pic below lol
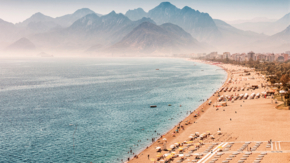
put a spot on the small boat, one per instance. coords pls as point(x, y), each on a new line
point(157, 69)
point(201, 70)
point(169, 104)
point(153, 106)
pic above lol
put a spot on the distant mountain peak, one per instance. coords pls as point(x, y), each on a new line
point(21, 44)
point(166, 4)
point(137, 9)
point(39, 15)
point(112, 13)
point(136, 14)
point(83, 11)
point(187, 8)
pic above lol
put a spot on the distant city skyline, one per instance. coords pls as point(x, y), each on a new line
point(229, 10)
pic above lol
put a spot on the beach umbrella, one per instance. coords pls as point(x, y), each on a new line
point(180, 149)
point(200, 141)
point(220, 147)
point(196, 154)
point(164, 139)
point(172, 146)
point(152, 159)
point(176, 143)
point(159, 155)
point(158, 147)
point(196, 144)
point(192, 147)
point(173, 153)
point(190, 136)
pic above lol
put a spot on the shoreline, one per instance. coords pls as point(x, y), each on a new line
point(198, 110)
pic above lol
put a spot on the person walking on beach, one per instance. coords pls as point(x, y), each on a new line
point(148, 157)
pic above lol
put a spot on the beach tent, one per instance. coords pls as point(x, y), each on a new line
point(221, 104)
point(282, 92)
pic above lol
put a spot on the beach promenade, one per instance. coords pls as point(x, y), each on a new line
point(250, 130)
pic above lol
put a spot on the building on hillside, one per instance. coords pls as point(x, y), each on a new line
point(219, 56)
point(271, 57)
point(276, 56)
point(243, 57)
point(251, 55)
point(226, 55)
point(285, 55)
point(201, 55)
point(231, 57)
point(261, 57)
point(234, 56)
point(212, 55)
point(280, 59)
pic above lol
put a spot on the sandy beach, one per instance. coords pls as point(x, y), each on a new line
point(243, 124)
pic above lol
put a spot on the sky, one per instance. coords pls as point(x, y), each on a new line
point(18, 10)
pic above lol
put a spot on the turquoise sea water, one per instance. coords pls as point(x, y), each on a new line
point(94, 110)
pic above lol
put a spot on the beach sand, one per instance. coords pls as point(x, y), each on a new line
point(243, 121)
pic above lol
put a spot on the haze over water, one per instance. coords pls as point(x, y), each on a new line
point(95, 110)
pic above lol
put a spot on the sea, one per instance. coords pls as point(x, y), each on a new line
point(95, 109)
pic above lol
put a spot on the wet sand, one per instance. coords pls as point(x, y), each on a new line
point(241, 121)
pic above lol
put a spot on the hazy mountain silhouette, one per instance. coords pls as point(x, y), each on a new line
point(22, 44)
point(233, 38)
point(200, 25)
point(167, 26)
point(89, 31)
point(282, 37)
point(268, 28)
point(254, 20)
point(67, 20)
point(8, 31)
point(136, 14)
point(153, 39)
point(278, 42)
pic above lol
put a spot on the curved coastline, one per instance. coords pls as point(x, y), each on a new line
point(201, 109)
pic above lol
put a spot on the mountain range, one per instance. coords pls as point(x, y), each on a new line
point(153, 39)
point(200, 25)
point(266, 27)
point(164, 29)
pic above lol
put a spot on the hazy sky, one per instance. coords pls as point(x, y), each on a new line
point(19, 10)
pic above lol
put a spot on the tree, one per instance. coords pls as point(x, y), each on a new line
point(284, 79)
